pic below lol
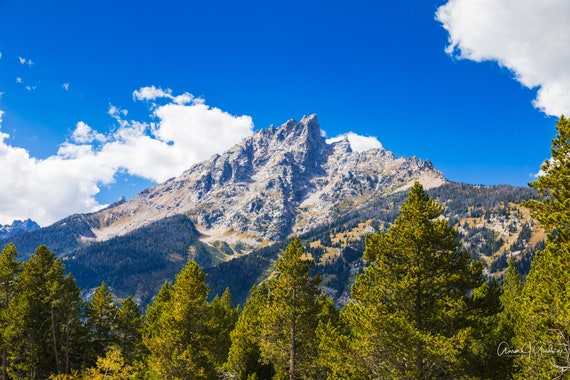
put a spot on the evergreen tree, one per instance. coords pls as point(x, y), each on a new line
point(419, 304)
point(128, 334)
point(290, 318)
point(508, 318)
point(9, 270)
point(155, 310)
point(44, 318)
point(180, 341)
point(544, 328)
point(244, 358)
point(101, 322)
point(223, 320)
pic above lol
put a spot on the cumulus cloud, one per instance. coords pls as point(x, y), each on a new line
point(179, 134)
point(83, 133)
point(358, 143)
point(529, 37)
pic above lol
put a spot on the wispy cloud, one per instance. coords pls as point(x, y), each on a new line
point(65, 86)
point(178, 134)
point(25, 61)
point(19, 80)
point(153, 93)
point(529, 37)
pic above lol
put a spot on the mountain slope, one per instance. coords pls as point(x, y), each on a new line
point(279, 181)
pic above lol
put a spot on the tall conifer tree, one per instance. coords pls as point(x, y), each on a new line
point(417, 305)
point(9, 270)
point(101, 322)
point(244, 358)
point(544, 328)
point(291, 316)
point(179, 340)
point(129, 331)
point(44, 318)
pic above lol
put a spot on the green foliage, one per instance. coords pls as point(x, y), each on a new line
point(244, 357)
point(417, 305)
point(180, 340)
point(9, 270)
point(45, 328)
point(101, 322)
point(543, 327)
point(223, 320)
point(291, 315)
point(128, 336)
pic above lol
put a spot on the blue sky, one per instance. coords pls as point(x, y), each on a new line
point(103, 99)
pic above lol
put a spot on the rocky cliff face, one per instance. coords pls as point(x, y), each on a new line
point(279, 181)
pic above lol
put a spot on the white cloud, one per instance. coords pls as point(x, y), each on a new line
point(358, 143)
point(154, 93)
point(182, 134)
point(19, 80)
point(83, 133)
point(65, 86)
point(529, 37)
point(25, 61)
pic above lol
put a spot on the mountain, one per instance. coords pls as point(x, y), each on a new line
point(17, 227)
point(279, 181)
point(235, 211)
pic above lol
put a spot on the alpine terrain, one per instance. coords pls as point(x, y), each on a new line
point(234, 212)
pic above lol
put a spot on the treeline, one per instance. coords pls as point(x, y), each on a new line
point(421, 309)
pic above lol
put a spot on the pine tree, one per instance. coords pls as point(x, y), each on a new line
point(417, 306)
point(244, 358)
point(128, 336)
point(508, 318)
point(290, 318)
point(544, 328)
point(180, 340)
point(101, 322)
point(9, 270)
point(223, 320)
point(44, 318)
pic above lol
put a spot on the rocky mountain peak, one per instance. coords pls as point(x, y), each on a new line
point(17, 227)
point(279, 181)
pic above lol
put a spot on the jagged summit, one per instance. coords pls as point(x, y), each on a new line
point(17, 227)
point(280, 180)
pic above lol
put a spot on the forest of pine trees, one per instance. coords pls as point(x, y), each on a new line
point(422, 309)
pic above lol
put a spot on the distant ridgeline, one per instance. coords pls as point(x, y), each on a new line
point(17, 227)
